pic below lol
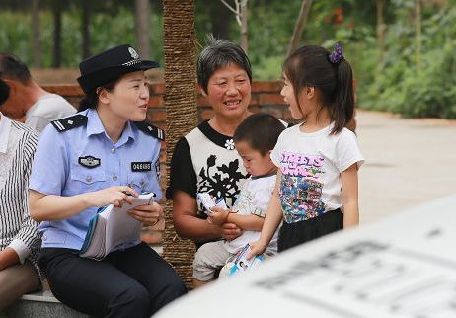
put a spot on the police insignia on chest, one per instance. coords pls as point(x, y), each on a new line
point(141, 166)
point(89, 161)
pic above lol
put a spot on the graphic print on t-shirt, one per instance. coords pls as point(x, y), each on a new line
point(220, 181)
point(301, 186)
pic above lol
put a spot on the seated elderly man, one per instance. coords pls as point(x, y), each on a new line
point(18, 232)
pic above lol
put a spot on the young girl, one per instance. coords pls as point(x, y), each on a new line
point(316, 192)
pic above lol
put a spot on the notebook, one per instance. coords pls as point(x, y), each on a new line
point(113, 229)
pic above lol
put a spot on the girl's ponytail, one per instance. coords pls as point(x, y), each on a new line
point(344, 99)
point(342, 110)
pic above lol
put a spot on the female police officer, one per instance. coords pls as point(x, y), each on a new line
point(100, 156)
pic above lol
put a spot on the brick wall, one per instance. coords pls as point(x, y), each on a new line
point(265, 98)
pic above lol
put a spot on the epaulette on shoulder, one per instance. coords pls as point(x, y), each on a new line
point(69, 122)
point(150, 129)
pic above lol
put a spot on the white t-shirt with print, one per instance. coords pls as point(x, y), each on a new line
point(311, 166)
point(253, 199)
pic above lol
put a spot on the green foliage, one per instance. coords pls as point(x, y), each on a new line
point(400, 79)
point(19, 40)
point(106, 31)
point(411, 83)
point(270, 30)
point(269, 68)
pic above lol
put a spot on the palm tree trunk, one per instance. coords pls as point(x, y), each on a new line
point(180, 104)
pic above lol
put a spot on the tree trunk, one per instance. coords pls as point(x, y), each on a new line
point(180, 104)
point(56, 39)
point(299, 26)
point(220, 29)
point(36, 44)
point(380, 4)
point(142, 21)
point(85, 27)
point(244, 25)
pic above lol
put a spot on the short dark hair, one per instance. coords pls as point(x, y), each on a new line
point(4, 92)
point(260, 131)
point(12, 67)
point(309, 65)
point(217, 54)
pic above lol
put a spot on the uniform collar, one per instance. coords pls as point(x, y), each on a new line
point(5, 128)
point(95, 126)
point(127, 133)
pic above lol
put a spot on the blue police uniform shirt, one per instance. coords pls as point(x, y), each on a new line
point(84, 159)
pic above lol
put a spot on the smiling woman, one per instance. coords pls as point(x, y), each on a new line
point(105, 154)
point(205, 160)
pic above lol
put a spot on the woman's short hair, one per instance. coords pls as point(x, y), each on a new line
point(217, 54)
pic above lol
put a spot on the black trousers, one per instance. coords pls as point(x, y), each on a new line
point(294, 234)
point(132, 283)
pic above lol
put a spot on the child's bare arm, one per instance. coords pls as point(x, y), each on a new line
point(273, 218)
point(349, 179)
point(246, 222)
point(219, 216)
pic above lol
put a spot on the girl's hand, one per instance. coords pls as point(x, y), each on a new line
point(149, 214)
point(256, 248)
point(217, 216)
point(116, 195)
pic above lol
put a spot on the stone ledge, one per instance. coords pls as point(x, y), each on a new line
point(41, 296)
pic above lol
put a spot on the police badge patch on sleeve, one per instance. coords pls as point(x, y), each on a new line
point(89, 161)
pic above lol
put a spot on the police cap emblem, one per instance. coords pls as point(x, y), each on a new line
point(133, 53)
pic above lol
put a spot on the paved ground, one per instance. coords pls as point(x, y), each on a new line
point(408, 161)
